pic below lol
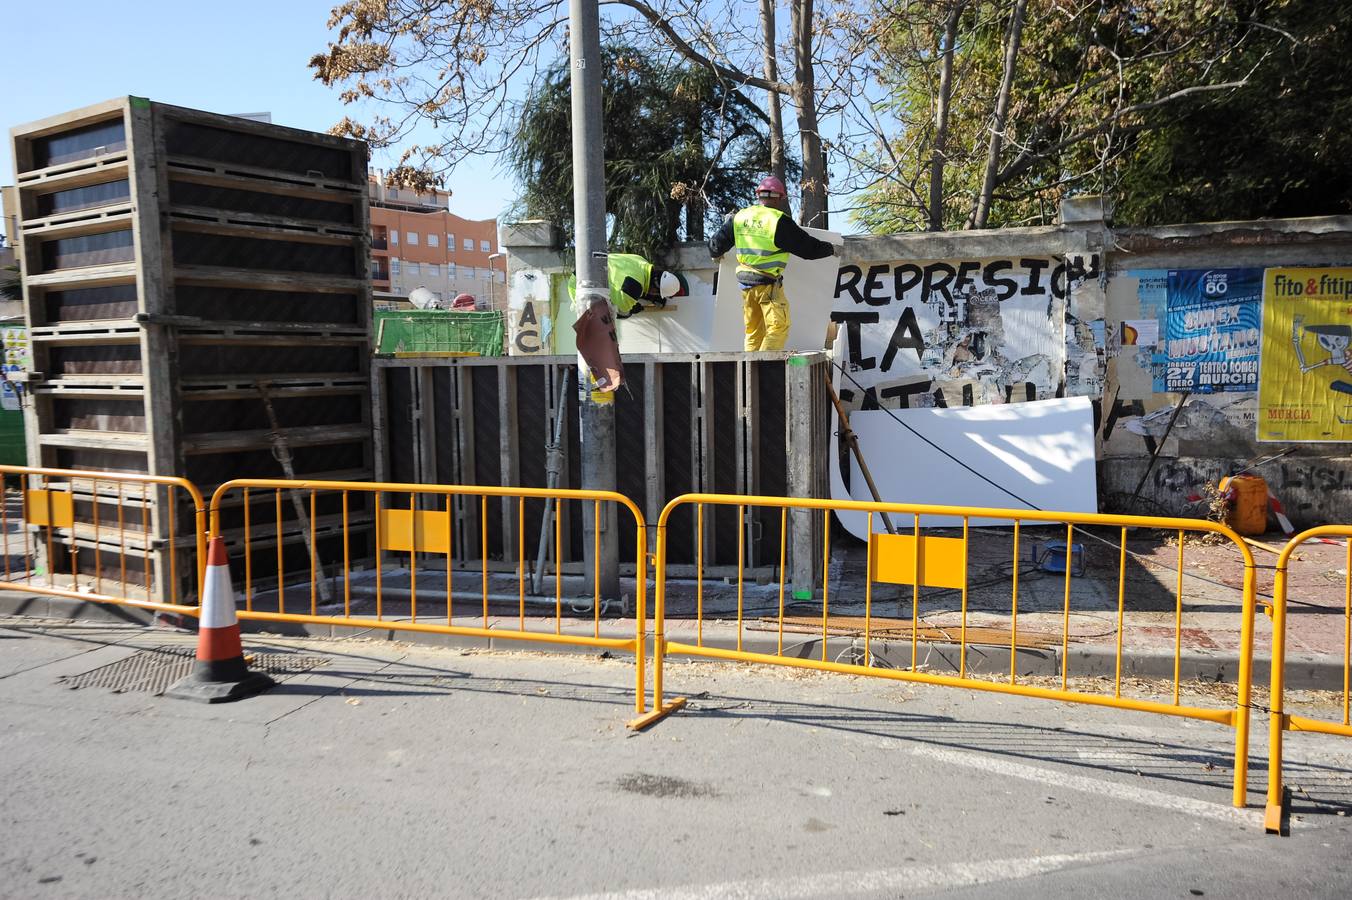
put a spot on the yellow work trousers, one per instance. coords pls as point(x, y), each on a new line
point(766, 312)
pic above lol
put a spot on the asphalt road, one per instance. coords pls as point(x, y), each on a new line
point(398, 771)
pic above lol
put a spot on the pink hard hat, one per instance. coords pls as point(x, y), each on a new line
point(771, 185)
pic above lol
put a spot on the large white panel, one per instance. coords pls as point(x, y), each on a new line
point(1041, 451)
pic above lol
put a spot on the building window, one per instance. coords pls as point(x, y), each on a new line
point(394, 265)
point(483, 246)
point(500, 275)
point(450, 242)
point(412, 238)
point(394, 239)
point(450, 270)
point(469, 243)
point(434, 270)
point(412, 268)
point(432, 240)
point(394, 193)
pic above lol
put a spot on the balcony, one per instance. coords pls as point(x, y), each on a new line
point(379, 243)
point(380, 274)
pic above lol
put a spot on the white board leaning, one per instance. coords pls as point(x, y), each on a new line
point(1041, 451)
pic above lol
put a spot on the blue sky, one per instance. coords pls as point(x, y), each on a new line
point(242, 56)
point(236, 57)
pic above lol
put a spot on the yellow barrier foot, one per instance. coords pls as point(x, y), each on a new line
point(656, 715)
point(1272, 819)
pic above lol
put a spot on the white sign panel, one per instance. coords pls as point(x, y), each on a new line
point(1041, 451)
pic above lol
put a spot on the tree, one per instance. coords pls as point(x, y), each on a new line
point(451, 68)
point(1065, 102)
point(1275, 149)
point(10, 288)
point(681, 149)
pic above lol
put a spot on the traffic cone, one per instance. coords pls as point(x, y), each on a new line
point(220, 673)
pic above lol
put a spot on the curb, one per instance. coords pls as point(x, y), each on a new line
point(1323, 672)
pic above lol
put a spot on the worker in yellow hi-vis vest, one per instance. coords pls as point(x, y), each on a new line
point(633, 279)
point(765, 236)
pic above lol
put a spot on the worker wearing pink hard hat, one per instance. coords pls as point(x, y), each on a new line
point(764, 236)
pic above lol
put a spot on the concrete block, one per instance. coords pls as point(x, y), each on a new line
point(530, 233)
point(1086, 209)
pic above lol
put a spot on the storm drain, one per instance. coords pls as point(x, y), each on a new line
point(152, 671)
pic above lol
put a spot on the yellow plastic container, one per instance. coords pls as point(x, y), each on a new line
point(1247, 511)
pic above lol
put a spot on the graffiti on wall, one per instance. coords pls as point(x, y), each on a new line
point(967, 332)
point(529, 322)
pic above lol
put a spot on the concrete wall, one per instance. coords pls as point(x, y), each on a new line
point(966, 318)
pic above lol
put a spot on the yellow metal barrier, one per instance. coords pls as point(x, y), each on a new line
point(1279, 720)
point(920, 560)
point(105, 537)
point(421, 524)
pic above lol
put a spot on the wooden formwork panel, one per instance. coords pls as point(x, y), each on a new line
point(685, 424)
point(179, 258)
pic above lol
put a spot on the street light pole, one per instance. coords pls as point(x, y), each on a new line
point(492, 278)
point(597, 410)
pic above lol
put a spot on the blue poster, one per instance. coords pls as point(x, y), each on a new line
point(1212, 328)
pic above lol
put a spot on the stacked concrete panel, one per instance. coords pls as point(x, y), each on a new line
point(175, 261)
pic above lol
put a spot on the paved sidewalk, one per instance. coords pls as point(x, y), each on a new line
point(1207, 633)
point(393, 770)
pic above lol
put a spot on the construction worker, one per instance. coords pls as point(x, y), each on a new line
point(765, 235)
point(633, 279)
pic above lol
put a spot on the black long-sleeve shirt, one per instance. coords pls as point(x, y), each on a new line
point(789, 237)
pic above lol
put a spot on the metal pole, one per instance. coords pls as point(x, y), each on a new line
point(589, 216)
point(850, 438)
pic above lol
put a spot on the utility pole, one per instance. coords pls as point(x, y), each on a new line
point(589, 215)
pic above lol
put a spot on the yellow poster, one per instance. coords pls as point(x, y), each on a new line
point(1305, 375)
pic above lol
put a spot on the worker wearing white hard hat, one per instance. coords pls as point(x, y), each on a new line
point(635, 282)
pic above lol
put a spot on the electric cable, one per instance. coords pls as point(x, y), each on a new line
point(1138, 557)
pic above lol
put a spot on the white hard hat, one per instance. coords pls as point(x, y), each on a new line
point(669, 286)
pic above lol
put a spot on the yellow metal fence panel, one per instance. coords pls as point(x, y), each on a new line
point(103, 537)
point(1279, 720)
point(941, 564)
point(313, 540)
point(941, 560)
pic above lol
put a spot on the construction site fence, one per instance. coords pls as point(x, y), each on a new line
point(140, 541)
point(1279, 720)
point(413, 526)
point(103, 537)
point(901, 554)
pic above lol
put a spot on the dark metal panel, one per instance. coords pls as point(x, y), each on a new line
point(237, 304)
point(244, 148)
point(678, 425)
point(194, 248)
point(723, 441)
point(631, 456)
point(487, 447)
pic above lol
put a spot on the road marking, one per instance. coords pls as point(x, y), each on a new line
point(1129, 792)
point(842, 884)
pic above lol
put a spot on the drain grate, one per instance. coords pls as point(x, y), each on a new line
point(152, 671)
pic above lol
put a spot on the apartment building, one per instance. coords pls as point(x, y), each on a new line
point(417, 242)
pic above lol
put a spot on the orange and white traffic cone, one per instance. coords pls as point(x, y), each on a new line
point(220, 673)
